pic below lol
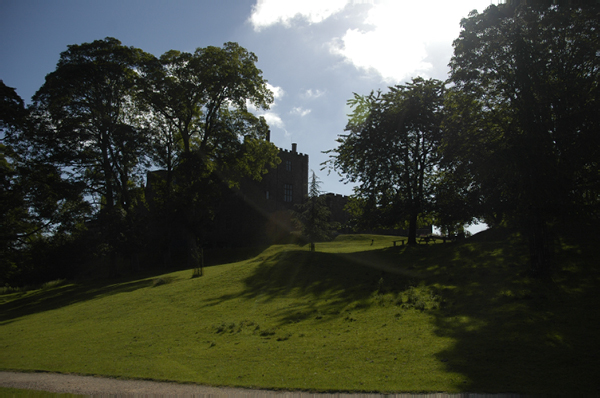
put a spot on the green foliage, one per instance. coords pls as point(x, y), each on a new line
point(202, 132)
point(15, 217)
point(82, 112)
point(202, 94)
point(391, 151)
point(522, 118)
point(104, 117)
point(13, 114)
point(361, 109)
point(313, 216)
point(83, 126)
point(35, 199)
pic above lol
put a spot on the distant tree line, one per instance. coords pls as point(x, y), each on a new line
point(511, 138)
point(73, 162)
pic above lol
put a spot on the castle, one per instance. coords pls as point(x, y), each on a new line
point(260, 211)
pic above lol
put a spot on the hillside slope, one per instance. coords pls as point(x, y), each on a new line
point(357, 315)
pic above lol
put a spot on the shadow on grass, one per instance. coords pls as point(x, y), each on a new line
point(42, 300)
point(511, 333)
point(219, 256)
point(329, 282)
point(516, 334)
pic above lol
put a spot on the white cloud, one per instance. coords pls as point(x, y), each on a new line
point(300, 111)
point(395, 45)
point(277, 94)
point(270, 12)
point(273, 119)
point(398, 39)
point(310, 93)
point(277, 91)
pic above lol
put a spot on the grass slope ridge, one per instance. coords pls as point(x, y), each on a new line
point(357, 315)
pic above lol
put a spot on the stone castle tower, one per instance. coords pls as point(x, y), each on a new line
point(259, 211)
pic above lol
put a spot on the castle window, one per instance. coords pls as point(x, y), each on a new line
point(267, 195)
point(288, 165)
point(287, 192)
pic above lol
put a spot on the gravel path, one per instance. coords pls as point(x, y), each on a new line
point(114, 388)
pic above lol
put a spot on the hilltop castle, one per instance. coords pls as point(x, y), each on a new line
point(260, 211)
point(257, 211)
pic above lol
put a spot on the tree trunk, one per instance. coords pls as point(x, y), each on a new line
point(193, 254)
point(412, 230)
point(540, 253)
point(108, 212)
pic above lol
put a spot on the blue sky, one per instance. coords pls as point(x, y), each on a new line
point(314, 53)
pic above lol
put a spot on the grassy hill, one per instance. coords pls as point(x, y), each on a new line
point(357, 315)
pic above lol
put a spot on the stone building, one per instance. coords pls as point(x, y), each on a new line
point(338, 214)
point(256, 212)
point(260, 211)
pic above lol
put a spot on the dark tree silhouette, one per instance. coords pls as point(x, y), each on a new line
point(391, 151)
point(84, 113)
point(523, 117)
point(313, 216)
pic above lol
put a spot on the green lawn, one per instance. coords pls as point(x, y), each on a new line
point(357, 315)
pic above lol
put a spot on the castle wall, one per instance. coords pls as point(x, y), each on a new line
point(336, 204)
point(259, 211)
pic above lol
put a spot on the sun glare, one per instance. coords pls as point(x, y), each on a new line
point(395, 39)
point(397, 34)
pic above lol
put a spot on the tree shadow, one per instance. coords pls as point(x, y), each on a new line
point(329, 281)
point(513, 333)
point(33, 302)
point(45, 299)
point(219, 256)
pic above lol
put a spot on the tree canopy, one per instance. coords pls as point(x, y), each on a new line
point(193, 90)
point(109, 113)
point(83, 112)
point(513, 140)
point(314, 216)
point(36, 203)
point(202, 131)
point(391, 151)
point(522, 117)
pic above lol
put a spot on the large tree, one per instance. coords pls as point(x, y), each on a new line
point(36, 202)
point(391, 151)
point(204, 134)
point(523, 116)
point(192, 90)
point(84, 110)
point(84, 114)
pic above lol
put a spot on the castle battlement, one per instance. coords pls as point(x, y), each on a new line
point(292, 152)
point(335, 195)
